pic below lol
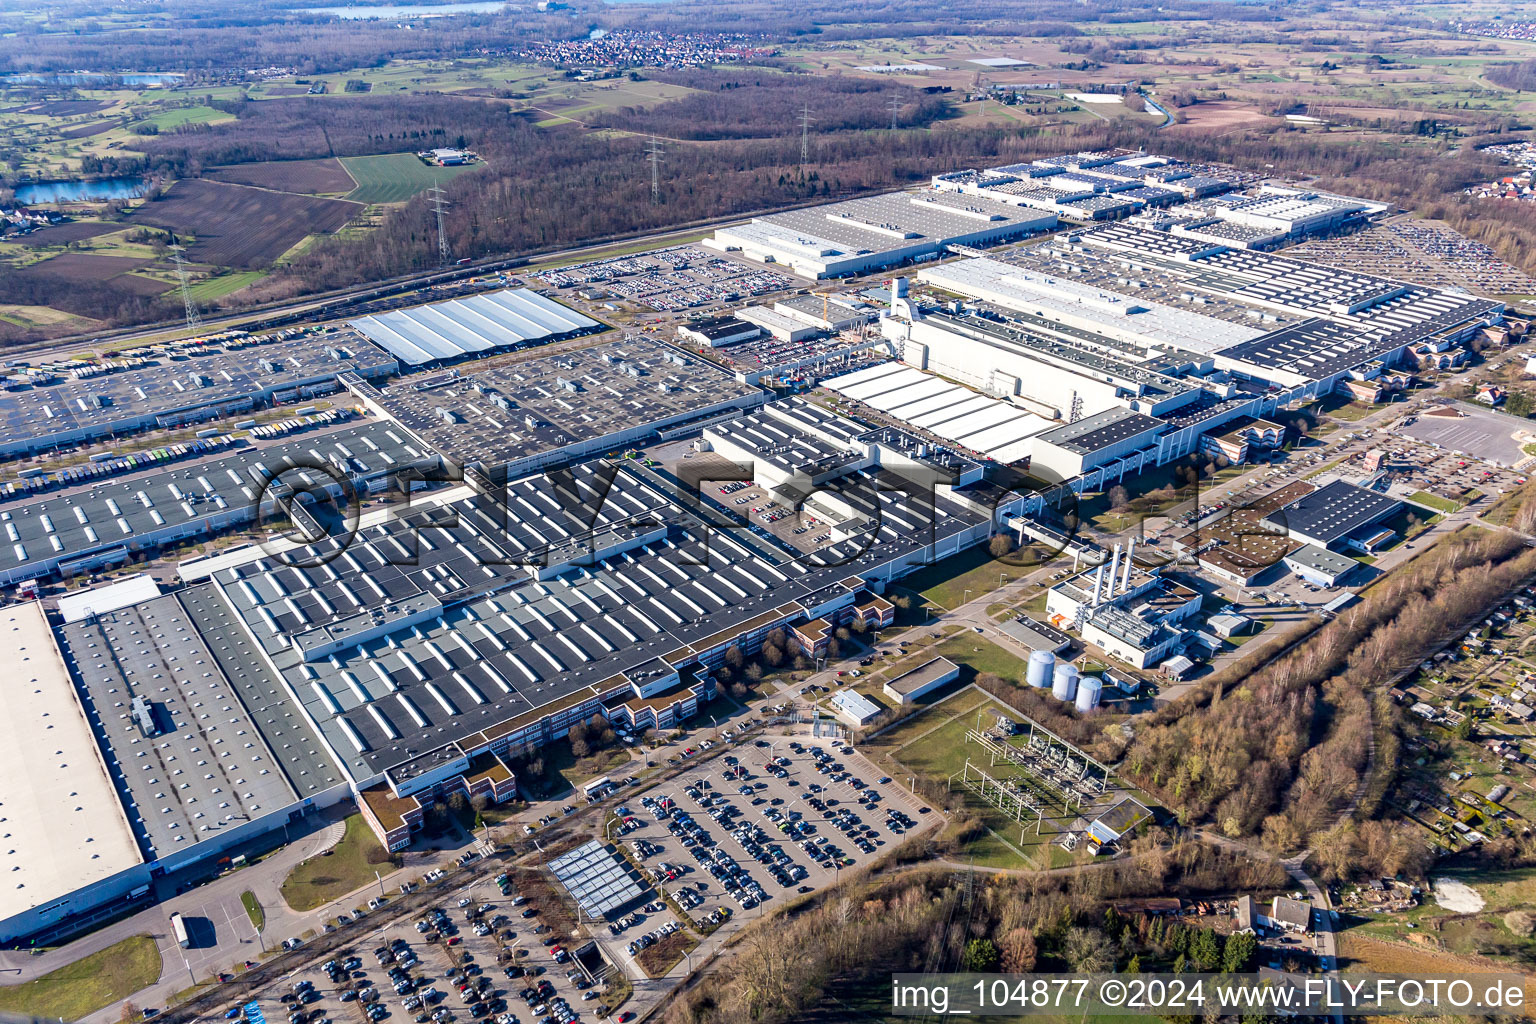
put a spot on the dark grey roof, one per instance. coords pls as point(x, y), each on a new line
point(210, 769)
point(1102, 430)
point(502, 413)
point(1333, 512)
point(188, 377)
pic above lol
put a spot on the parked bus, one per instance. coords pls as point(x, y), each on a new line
point(179, 926)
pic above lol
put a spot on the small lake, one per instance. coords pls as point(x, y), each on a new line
point(97, 77)
point(395, 11)
point(78, 191)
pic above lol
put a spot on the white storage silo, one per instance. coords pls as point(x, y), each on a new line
point(1066, 682)
point(1040, 665)
point(1089, 690)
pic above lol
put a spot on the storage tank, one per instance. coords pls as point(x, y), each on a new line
point(1040, 665)
point(1089, 690)
point(1066, 682)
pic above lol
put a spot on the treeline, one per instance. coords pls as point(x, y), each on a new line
point(1281, 751)
point(753, 104)
point(1521, 76)
point(814, 964)
point(544, 189)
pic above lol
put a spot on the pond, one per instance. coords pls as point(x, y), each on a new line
point(77, 191)
point(96, 77)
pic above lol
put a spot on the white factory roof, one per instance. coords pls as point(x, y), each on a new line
point(64, 827)
point(101, 600)
point(461, 327)
point(994, 428)
point(1123, 316)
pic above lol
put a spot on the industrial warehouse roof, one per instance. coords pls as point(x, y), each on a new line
point(1313, 349)
point(1333, 512)
point(917, 678)
point(208, 769)
point(1332, 563)
point(100, 600)
point(456, 637)
point(183, 377)
point(784, 446)
point(1102, 430)
point(464, 327)
point(126, 510)
point(1118, 315)
point(720, 327)
point(895, 220)
point(988, 426)
point(598, 879)
point(500, 414)
point(64, 827)
point(1036, 635)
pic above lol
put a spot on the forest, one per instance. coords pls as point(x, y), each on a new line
point(830, 959)
point(754, 104)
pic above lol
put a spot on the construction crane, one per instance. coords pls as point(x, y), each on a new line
point(194, 320)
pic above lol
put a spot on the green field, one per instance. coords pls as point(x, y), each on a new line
point(215, 288)
point(178, 116)
point(394, 177)
point(85, 986)
point(1433, 501)
point(350, 865)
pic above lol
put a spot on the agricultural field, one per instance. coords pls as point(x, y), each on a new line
point(210, 290)
point(308, 177)
point(177, 117)
point(82, 266)
point(63, 234)
point(395, 177)
point(41, 316)
point(238, 226)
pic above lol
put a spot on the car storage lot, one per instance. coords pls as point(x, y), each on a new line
point(733, 838)
point(470, 960)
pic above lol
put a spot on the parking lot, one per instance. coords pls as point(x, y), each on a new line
point(669, 280)
point(802, 531)
point(746, 831)
point(485, 952)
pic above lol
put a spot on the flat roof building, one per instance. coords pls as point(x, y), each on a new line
point(717, 331)
point(453, 330)
point(923, 680)
point(1094, 441)
point(1328, 515)
point(1319, 565)
point(178, 383)
point(107, 523)
point(859, 236)
point(70, 846)
point(600, 881)
point(522, 417)
point(853, 707)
